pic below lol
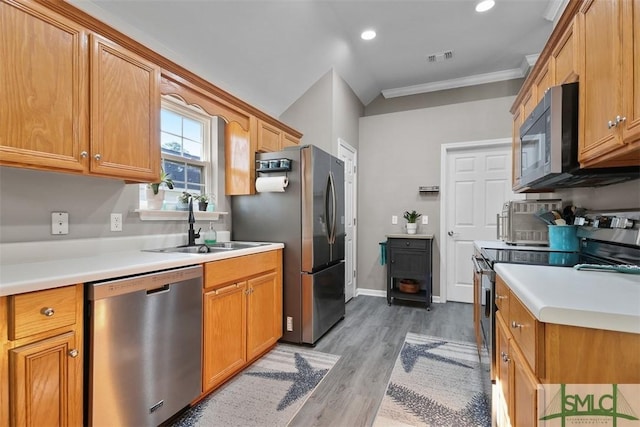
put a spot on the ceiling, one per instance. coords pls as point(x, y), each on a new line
point(270, 52)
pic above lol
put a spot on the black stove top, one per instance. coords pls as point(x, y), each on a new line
point(535, 257)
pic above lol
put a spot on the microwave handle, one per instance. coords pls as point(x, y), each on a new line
point(498, 226)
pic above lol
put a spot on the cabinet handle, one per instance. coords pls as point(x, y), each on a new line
point(47, 311)
point(73, 353)
point(98, 157)
point(620, 119)
point(505, 357)
point(515, 325)
point(84, 154)
point(611, 124)
point(499, 297)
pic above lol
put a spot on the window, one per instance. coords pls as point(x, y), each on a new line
point(188, 140)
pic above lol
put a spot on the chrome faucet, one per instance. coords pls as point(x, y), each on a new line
point(192, 220)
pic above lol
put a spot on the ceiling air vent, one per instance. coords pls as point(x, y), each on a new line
point(440, 56)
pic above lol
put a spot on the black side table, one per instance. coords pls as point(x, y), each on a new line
point(409, 257)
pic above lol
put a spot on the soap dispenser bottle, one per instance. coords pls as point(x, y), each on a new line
point(210, 235)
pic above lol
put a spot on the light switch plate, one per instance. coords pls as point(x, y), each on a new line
point(425, 219)
point(59, 223)
point(394, 219)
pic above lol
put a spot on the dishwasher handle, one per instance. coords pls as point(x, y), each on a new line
point(160, 290)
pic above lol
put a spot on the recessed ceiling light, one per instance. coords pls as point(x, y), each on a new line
point(485, 5)
point(368, 35)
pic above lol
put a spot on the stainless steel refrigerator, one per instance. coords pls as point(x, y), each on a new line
point(308, 217)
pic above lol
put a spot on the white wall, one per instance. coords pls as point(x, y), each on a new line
point(400, 152)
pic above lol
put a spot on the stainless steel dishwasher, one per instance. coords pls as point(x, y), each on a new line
point(144, 347)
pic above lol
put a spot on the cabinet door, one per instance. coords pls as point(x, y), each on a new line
point(407, 263)
point(631, 64)
point(268, 137)
point(224, 332)
point(600, 78)
point(525, 390)
point(264, 314)
point(44, 86)
point(45, 379)
point(565, 57)
point(504, 375)
point(289, 140)
point(542, 83)
point(125, 113)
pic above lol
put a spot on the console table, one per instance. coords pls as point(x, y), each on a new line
point(409, 257)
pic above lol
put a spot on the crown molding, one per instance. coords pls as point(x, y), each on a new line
point(478, 79)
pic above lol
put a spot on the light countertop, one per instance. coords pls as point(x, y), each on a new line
point(26, 267)
point(562, 295)
point(499, 244)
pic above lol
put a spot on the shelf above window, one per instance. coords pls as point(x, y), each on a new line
point(160, 215)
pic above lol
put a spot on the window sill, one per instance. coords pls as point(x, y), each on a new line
point(160, 215)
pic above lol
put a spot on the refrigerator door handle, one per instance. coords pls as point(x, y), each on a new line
point(334, 207)
point(327, 214)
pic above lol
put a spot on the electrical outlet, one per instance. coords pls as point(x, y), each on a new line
point(394, 219)
point(425, 219)
point(116, 222)
point(289, 323)
point(59, 223)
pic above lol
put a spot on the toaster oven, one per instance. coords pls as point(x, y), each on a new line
point(518, 224)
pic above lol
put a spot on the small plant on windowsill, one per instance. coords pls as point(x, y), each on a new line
point(155, 191)
point(203, 201)
point(412, 218)
point(183, 201)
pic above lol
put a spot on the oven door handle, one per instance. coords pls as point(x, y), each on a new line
point(481, 267)
point(487, 306)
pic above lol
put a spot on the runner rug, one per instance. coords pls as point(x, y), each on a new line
point(268, 393)
point(437, 382)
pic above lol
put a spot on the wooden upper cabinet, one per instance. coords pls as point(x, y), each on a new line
point(272, 138)
point(564, 57)
point(43, 113)
point(268, 137)
point(606, 87)
point(289, 140)
point(631, 73)
point(542, 83)
point(125, 113)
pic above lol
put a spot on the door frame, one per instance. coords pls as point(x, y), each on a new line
point(445, 150)
point(342, 144)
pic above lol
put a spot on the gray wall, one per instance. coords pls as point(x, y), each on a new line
point(400, 152)
point(327, 111)
point(27, 198)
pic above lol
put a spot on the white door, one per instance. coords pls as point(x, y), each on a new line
point(348, 155)
point(478, 182)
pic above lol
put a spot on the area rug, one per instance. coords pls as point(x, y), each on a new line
point(437, 382)
point(269, 393)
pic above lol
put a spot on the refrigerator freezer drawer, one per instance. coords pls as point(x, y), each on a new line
point(322, 301)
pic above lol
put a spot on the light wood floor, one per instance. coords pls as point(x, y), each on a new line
point(368, 341)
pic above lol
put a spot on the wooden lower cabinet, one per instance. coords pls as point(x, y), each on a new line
point(242, 313)
point(43, 370)
point(531, 353)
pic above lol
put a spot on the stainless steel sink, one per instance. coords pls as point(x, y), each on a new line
point(207, 249)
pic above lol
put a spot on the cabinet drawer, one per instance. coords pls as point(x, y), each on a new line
point(408, 243)
point(502, 298)
point(223, 272)
point(41, 311)
point(526, 331)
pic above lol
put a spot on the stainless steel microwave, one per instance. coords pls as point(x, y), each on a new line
point(549, 146)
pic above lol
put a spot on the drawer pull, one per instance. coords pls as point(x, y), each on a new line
point(515, 325)
point(73, 353)
point(499, 297)
point(47, 311)
point(505, 357)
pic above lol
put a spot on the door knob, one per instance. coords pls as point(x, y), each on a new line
point(451, 233)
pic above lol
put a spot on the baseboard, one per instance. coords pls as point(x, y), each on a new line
point(383, 294)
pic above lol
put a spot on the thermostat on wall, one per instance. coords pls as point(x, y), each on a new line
point(429, 189)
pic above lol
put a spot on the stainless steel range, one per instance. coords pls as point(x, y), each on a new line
point(608, 239)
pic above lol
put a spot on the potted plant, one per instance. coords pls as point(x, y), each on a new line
point(203, 201)
point(411, 218)
point(183, 201)
point(155, 192)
